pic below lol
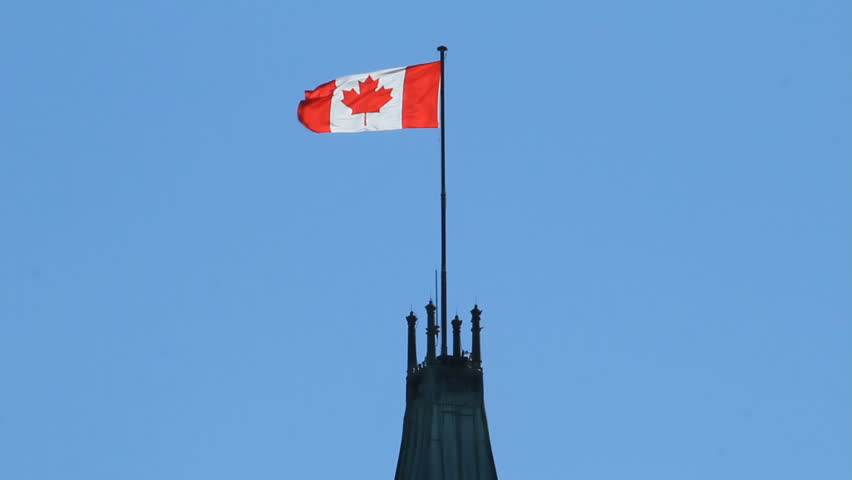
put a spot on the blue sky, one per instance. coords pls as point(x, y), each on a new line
point(650, 201)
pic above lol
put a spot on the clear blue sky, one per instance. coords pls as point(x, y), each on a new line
point(651, 201)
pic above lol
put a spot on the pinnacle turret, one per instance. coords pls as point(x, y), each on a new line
point(475, 344)
point(456, 336)
point(431, 331)
point(412, 341)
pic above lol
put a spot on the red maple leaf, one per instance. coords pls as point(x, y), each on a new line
point(369, 100)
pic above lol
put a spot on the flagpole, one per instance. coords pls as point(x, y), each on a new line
point(443, 51)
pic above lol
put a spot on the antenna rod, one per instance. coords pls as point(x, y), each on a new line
point(443, 51)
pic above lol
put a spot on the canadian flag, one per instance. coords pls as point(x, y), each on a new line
point(402, 97)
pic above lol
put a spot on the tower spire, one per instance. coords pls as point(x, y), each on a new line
point(444, 431)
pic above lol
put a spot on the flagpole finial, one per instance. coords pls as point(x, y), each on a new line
point(442, 48)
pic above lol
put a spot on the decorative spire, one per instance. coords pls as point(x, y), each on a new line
point(412, 341)
point(431, 331)
point(457, 336)
point(476, 347)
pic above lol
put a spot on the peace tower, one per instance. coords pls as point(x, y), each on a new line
point(444, 431)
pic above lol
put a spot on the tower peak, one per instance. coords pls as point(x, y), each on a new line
point(445, 430)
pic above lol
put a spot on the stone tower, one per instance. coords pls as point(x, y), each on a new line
point(445, 432)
